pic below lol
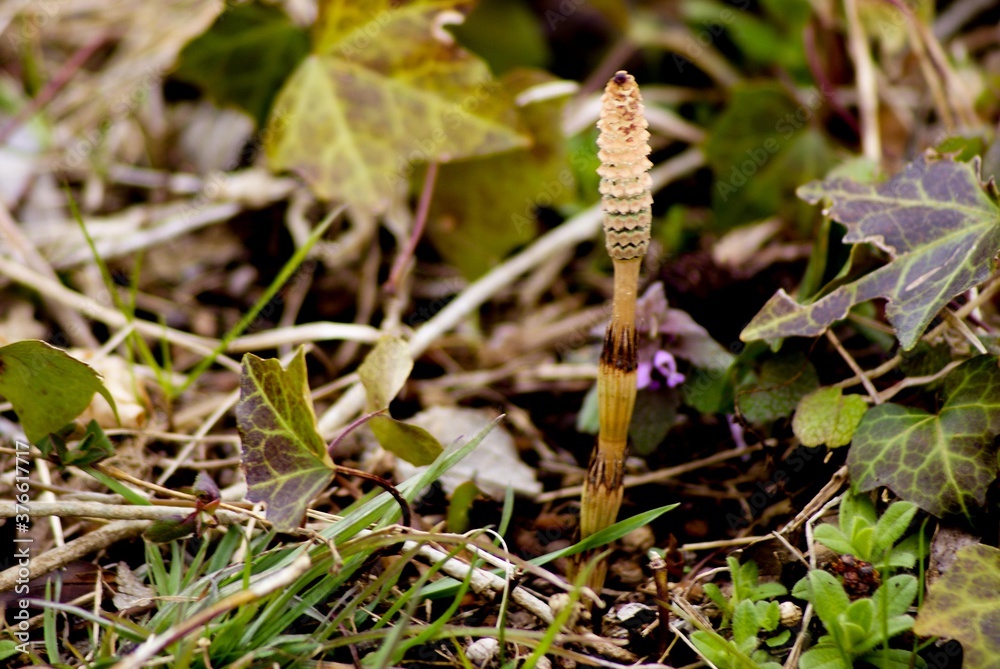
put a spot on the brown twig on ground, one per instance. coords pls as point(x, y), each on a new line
point(75, 550)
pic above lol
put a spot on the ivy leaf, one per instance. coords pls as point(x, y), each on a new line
point(245, 57)
point(942, 463)
point(383, 373)
point(827, 416)
point(47, 387)
point(385, 87)
point(285, 459)
point(775, 392)
point(934, 219)
point(963, 604)
point(482, 209)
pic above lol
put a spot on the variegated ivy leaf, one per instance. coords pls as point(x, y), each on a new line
point(938, 224)
point(963, 604)
point(941, 462)
point(386, 88)
point(285, 459)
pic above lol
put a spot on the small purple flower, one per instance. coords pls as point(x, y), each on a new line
point(666, 367)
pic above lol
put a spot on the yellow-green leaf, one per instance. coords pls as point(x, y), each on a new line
point(47, 387)
point(413, 444)
point(828, 416)
point(964, 605)
point(285, 459)
point(384, 371)
point(385, 88)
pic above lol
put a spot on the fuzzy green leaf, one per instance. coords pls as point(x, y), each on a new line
point(861, 613)
point(385, 88)
point(827, 416)
point(964, 605)
point(831, 537)
point(900, 591)
point(856, 513)
point(768, 615)
point(894, 658)
point(824, 657)
point(892, 525)
point(943, 463)
point(827, 596)
point(285, 459)
point(47, 387)
point(745, 624)
point(768, 590)
point(937, 223)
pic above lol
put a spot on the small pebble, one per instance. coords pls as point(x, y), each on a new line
point(791, 614)
point(481, 651)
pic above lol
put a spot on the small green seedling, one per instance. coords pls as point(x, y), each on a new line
point(861, 533)
point(856, 629)
point(746, 587)
point(749, 614)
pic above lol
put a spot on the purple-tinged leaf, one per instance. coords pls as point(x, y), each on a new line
point(938, 224)
point(284, 457)
point(963, 604)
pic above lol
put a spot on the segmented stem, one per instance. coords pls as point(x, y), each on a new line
point(627, 201)
point(624, 170)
